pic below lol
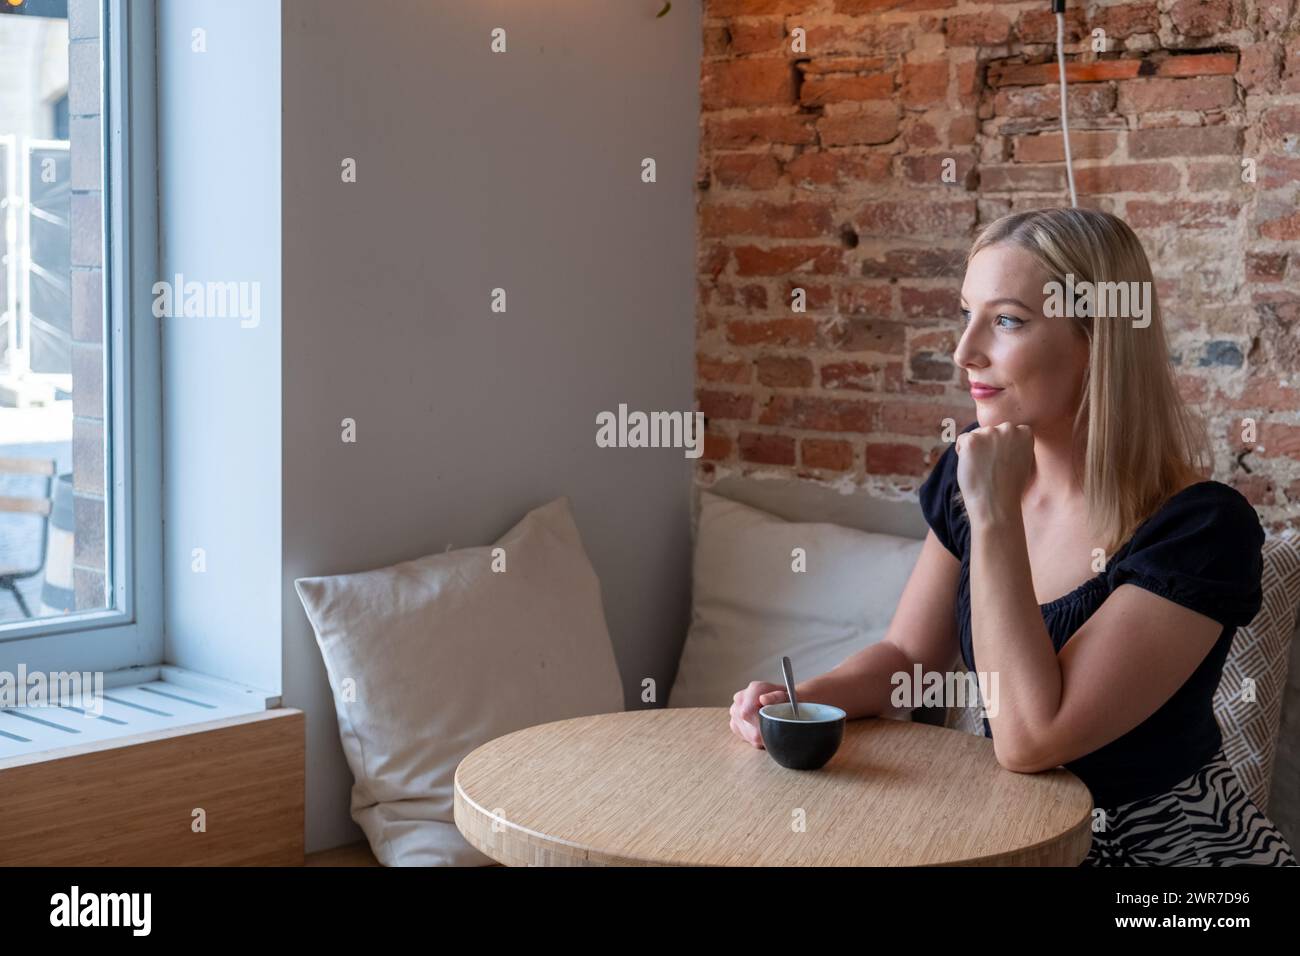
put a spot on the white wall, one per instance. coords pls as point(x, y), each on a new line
point(478, 171)
point(219, 180)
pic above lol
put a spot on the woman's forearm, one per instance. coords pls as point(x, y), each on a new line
point(1008, 635)
point(861, 685)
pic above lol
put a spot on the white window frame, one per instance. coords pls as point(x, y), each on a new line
point(130, 633)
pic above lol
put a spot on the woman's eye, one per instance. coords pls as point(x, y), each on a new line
point(965, 317)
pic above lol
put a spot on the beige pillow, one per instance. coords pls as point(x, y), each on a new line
point(431, 658)
point(749, 606)
point(1260, 651)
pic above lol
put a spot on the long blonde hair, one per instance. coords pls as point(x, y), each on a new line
point(1143, 443)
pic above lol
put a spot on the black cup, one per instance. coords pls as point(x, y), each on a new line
point(804, 744)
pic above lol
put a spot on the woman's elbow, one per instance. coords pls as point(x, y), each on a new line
point(1022, 759)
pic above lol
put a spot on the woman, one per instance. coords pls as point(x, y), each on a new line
point(1076, 551)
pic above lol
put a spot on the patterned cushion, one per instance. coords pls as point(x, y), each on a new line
point(1260, 652)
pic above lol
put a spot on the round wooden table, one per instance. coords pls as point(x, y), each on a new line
point(676, 787)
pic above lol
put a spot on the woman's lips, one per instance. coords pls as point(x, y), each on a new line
point(982, 391)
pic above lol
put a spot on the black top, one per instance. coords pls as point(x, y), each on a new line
point(1201, 549)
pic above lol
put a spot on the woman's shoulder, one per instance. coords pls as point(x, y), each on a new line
point(1206, 504)
point(1201, 548)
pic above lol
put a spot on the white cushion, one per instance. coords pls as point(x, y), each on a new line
point(447, 654)
point(749, 607)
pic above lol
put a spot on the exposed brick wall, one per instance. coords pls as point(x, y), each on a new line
point(824, 171)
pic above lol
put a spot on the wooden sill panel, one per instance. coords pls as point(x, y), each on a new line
point(129, 802)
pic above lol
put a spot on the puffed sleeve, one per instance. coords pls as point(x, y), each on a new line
point(936, 494)
point(1203, 550)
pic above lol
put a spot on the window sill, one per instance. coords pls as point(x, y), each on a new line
point(145, 700)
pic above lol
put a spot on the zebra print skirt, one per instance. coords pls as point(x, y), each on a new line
point(1205, 820)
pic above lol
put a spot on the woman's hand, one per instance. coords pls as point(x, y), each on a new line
point(993, 469)
point(745, 706)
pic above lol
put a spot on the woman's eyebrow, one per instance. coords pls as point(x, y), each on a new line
point(996, 301)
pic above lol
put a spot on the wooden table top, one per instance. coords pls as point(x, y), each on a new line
point(674, 786)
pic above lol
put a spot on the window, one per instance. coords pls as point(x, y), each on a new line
point(79, 546)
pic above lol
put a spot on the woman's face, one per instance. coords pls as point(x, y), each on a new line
point(1037, 361)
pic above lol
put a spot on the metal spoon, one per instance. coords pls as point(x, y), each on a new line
point(788, 674)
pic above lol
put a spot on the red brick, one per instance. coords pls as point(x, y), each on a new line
point(818, 414)
point(1188, 215)
point(766, 449)
point(1177, 141)
point(894, 458)
point(860, 37)
point(1278, 440)
point(1276, 172)
point(930, 169)
point(978, 29)
point(753, 8)
point(780, 260)
point(841, 88)
point(864, 298)
point(868, 126)
point(1050, 147)
point(1001, 179)
point(1265, 266)
point(933, 220)
point(784, 332)
point(848, 64)
point(762, 81)
point(784, 220)
point(1280, 121)
point(1125, 20)
point(711, 369)
point(1044, 102)
point(784, 371)
point(925, 263)
point(1036, 74)
point(716, 447)
point(1127, 178)
point(925, 421)
point(816, 167)
point(746, 170)
point(924, 84)
point(1213, 176)
point(1194, 93)
point(751, 34)
point(1266, 393)
point(738, 132)
point(1202, 18)
point(1261, 66)
point(943, 302)
point(1198, 64)
point(1039, 26)
point(826, 453)
point(870, 335)
point(968, 82)
point(855, 376)
point(725, 404)
point(962, 130)
point(1286, 228)
point(859, 7)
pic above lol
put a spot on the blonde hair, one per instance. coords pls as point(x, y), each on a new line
point(1143, 443)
